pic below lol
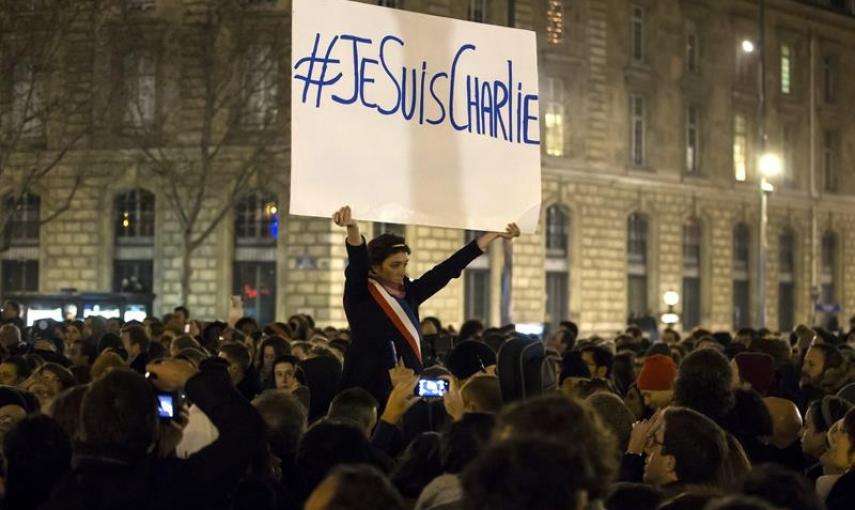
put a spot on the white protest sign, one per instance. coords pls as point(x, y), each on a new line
point(415, 119)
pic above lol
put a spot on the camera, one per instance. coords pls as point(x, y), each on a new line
point(431, 388)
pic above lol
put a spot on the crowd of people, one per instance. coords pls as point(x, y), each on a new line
point(173, 412)
point(261, 420)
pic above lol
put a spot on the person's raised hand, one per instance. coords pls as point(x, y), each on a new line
point(400, 399)
point(400, 373)
point(639, 436)
point(344, 217)
point(452, 401)
point(511, 231)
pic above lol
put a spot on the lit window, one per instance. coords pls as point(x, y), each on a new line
point(786, 68)
point(257, 219)
point(555, 21)
point(133, 257)
point(554, 118)
point(740, 148)
point(135, 215)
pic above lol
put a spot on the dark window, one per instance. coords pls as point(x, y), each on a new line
point(741, 284)
point(786, 280)
point(390, 228)
point(477, 10)
point(20, 275)
point(829, 268)
point(829, 77)
point(637, 33)
point(255, 282)
point(556, 298)
point(637, 130)
point(830, 149)
point(693, 139)
point(133, 275)
point(257, 220)
point(396, 4)
point(135, 217)
point(691, 274)
point(477, 291)
point(557, 232)
point(637, 264)
point(22, 228)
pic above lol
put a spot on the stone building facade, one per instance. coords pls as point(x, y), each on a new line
point(650, 113)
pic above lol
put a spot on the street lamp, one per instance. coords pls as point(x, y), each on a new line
point(671, 298)
point(748, 46)
point(770, 166)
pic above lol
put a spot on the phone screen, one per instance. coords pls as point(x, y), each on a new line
point(431, 388)
point(165, 406)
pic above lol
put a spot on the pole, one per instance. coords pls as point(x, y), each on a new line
point(761, 144)
point(507, 249)
point(814, 234)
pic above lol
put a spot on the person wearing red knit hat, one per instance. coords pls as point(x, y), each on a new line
point(656, 381)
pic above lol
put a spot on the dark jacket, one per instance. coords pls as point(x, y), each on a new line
point(201, 481)
point(842, 495)
point(370, 355)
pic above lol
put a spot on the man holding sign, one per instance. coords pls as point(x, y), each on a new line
point(382, 303)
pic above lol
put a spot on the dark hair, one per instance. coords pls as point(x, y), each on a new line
point(65, 409)
point(849, 428)
point(280, 347)
point(87, 349)
point(534, 473)
point(632, 496)
point(623, 371)
point(237, 353)
point(418, 465)
point(324, 446)
point(752, 417)
point(697, 444)
point(826, 411)
point(703, 384)
point(571, 422)
point(830, 354)
point(66, 378)
point(119, 415)
point(246, 321)
point(602, 357)
point(384, 246)
point(363, 487)
point(22, 366)
point(464, 440)
point(738, 503)
point(183, 309)
point(355, 406)
point(38, 454)
point(781, 487)
point(285, 420)
point(137, 336)
point(470, 329)
point(286, 358)
point(485, 392)
point(435, 321)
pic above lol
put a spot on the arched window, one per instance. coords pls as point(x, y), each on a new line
point(557, 274)
point(741, 276)
point(786, 280)
point(20, 267)
point(254, 275)
point(133, 259)
point(691, 274)
point(637, 264)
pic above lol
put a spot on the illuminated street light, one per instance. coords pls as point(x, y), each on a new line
point(671, 298)
point(748, 46)
point(770, 165)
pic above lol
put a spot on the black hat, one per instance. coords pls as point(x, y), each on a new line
point(469, 357)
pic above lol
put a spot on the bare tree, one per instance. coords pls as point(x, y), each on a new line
point(45, 100)
point(226, 129)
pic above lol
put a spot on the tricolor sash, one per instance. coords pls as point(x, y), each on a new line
point(393, 310)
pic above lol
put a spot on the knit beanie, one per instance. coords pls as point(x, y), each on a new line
point(657, 374)
point(757, 369)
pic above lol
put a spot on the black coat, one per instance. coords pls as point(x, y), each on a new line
point(370, 355)
point(201, 481)
point(842, 495)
